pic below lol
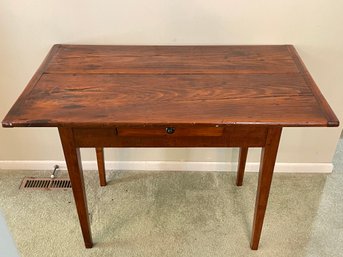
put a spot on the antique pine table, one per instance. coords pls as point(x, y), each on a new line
point(171, 96)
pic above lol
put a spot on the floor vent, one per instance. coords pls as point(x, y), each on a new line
point(45, 183)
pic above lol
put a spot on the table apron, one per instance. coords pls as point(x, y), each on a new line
point(232, 136)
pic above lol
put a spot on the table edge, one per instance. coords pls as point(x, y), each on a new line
point(45, 124)
point(332, 120)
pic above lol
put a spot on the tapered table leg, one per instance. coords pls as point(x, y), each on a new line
point(243, 152)
point(268, 158)
point(73, 160)
point(101, 165)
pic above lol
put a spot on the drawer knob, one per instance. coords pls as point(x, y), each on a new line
point(170, 130)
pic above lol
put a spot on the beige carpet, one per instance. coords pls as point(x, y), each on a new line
point(177, 214)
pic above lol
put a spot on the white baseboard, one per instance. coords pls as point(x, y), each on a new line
point(169, 166)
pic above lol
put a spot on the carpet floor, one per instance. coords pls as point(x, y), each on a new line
point(177, 214)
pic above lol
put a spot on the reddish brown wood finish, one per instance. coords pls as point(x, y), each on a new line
point(211, 96)
point(268, 157)
point(232, 136)
point(172, 59)
point(328, 112)
point(73, 160)
point(243, 152)
point(175, 131)
point(97, 86)
point(101, 165)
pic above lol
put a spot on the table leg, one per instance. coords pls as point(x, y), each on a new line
point(101, 165)
point(73, 160)
point(268, 158)
point(243, 152)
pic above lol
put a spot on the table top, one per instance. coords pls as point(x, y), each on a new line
point(99, 86)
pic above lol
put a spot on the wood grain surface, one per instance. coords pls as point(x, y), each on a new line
point(171, 96)
point(100, 86)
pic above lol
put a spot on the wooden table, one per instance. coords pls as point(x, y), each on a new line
point(171, 96)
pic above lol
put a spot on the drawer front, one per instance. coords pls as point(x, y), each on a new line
point(170, 131)
point(230, 136)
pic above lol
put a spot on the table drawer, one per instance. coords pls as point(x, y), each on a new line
point(229, 136)
point(170, 131)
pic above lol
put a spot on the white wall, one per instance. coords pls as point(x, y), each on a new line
point(29, 28)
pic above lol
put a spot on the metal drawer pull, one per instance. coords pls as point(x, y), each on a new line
point(170, 130)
